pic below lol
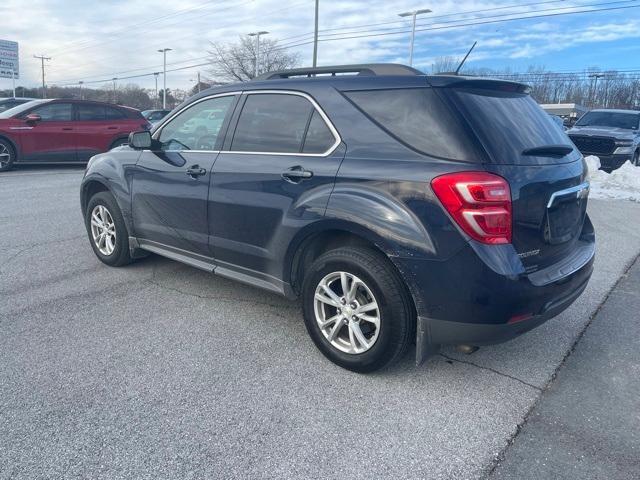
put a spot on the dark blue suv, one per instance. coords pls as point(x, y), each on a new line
point(398, 207)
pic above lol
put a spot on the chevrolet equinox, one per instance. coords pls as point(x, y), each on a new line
point(398, 207)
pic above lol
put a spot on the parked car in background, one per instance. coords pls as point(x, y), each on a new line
point(64, 131)
point(7, 103)
point(397, 206)
point(154, 116)
point(611, 135)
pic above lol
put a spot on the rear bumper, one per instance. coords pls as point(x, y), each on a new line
point(468, 300)
point(443, 332)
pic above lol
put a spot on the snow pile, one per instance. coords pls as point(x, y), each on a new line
point(621, 184)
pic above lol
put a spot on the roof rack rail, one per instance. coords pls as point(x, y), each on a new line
point(368, 69)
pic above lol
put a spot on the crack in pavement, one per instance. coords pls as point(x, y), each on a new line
point(506, 375)
point(501, 455)
point(29, 247)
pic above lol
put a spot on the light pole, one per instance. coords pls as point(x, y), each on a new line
point(155, 75)
point(256, 64)
point(413, 14)
point(81, 83)
point(13, 82)
point(315, 36)
point(164, 51)
point(115, 100)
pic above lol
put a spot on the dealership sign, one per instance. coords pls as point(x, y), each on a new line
point(9, 59)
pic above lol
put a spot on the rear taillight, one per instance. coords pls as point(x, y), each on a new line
point(479, 202)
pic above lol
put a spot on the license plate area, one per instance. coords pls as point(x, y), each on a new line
point(565, 214)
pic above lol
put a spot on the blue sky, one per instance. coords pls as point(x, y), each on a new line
point(99, 40)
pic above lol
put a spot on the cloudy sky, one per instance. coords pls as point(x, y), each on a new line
point(97, 40)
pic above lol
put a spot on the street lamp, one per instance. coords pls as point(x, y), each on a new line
point(594, 92)
point(413, 14)
point(81, 83)
point(164, 51)
point(257, 35)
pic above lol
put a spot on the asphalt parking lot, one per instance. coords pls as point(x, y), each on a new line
point(158, 370)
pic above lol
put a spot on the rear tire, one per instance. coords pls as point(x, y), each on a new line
point(358, 343)
point(107, 231)
point(636, 158)
point(7, 155)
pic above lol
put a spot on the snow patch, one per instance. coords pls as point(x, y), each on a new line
point(621, 184)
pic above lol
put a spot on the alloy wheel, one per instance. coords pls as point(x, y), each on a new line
point(5, 155)
point(103, 230)
point(347, 312)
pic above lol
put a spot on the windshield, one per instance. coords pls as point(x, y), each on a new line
point(17, 110)
point(627, 121)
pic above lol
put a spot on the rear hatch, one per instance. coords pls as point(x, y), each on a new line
point(546, 173)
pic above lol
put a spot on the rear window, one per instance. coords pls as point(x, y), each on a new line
point(509, 123)
point(420, 119)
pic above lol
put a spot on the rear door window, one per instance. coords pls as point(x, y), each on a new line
point(319, 138)
point(508, 123)
point(420, 119)
point(272, 123)
point(91, 112)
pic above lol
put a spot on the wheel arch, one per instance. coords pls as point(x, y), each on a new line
point(88, 189)
point(310, 244)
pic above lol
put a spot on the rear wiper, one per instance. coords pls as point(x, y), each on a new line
point(549, 151)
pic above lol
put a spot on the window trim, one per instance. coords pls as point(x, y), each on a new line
point(168, 118)
point(315, 106)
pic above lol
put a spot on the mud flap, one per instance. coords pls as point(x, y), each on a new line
point(424, 347)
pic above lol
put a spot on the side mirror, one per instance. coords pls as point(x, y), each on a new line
point(140, 140)
point(33, 118)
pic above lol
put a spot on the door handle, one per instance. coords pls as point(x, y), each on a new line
point(112, 128)
point(297, 174)
point(67, 128)
point(195, 171)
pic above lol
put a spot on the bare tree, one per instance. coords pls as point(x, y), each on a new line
point(446, 64)
point(237, 62)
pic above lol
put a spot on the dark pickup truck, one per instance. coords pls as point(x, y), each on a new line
point(611, 135)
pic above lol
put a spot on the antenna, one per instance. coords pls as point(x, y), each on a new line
point(465, 58)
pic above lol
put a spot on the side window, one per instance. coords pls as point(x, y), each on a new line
point(197, 127)
point(319, 138)
point(55, 112)
point(91, 112)
point(420, 119)
point(272, 123)
point(114, 114)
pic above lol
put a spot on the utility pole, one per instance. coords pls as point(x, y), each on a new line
point(315, 36)
point(595, 77)
point(413, 14)
point(198, 82)
point(164, 76)
point(115, 99)
point(13, 82)
point(42, 59)
point(256, 62)
point(81, 94)
point(155, 74)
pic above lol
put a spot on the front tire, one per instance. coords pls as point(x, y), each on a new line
point(7, 155)
point(107, 231)
point(357, 309)
point(636, 158)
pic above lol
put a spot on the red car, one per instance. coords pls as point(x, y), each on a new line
point(64, 131)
